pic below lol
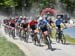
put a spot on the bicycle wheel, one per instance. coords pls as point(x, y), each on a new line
point(13, 34)
point(26, 37)
point(38, 39)
point(57, 37)
point(19, 33)
point(49, 42)
point(35, 38)
point(10, 32)
point(63, 39)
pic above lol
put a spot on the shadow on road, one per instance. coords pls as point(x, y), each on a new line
point(69, 44)
point(53, 49)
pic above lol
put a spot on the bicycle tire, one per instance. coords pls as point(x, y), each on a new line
point(64, 39)
point(49, 42)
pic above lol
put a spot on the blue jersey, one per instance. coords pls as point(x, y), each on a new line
point(46, 18)
point(44, 22)
point(19, 20)
point(59, 21)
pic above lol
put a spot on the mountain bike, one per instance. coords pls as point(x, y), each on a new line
point(48, 40)
point(60, 37)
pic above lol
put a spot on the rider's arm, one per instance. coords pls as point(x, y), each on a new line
point(47, 23)
point(38, 25)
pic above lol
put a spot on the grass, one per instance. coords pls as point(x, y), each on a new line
point(68, 38)
point(9, 49)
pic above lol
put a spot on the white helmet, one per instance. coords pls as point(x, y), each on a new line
point(20, 16)
point(59, 16)
point(40, 18)
point(12, 18)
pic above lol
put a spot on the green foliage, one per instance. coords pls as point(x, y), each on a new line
point(69, 5)
point(8, 3)
point(9, 49)
point(1, 2)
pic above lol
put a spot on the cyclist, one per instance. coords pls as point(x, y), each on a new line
point(12, 25)
point(43, 26)
point(18, 26)
point(24, 24)
point(12, 22)
point(58, 22)
point(19, 20)
point(32, 26)
point(60, 26)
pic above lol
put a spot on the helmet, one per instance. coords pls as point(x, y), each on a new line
point(40, 18)
point(12, 18)
point(24, 16)
point(58, 17)
point(20, 16)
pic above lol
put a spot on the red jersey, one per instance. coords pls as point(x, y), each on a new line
point(33, 22)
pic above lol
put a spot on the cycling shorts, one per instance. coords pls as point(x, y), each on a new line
point(24, 25)
point(12, 25)
point(33, 27)
point(44, 29)
point(59, 27)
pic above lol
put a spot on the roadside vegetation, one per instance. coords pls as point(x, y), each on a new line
point(9, 49)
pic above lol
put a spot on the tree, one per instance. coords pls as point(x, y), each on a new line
point(8, 3)
point(69, 5)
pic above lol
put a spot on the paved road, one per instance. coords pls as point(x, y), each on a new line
point(31, 50)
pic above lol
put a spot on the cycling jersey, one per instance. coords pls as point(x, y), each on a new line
point(24, 24)
point(42, 23)
point(12, 23)
point(33, 24)
point(46, 18)
point(19, 20)
point(59, 21)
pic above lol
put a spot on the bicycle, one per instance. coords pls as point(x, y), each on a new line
point(48, 40)
point(25, 34)
point(35, 37)
point(13, 32)
point(60, 37)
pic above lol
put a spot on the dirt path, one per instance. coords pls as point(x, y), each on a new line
point(31, 50)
